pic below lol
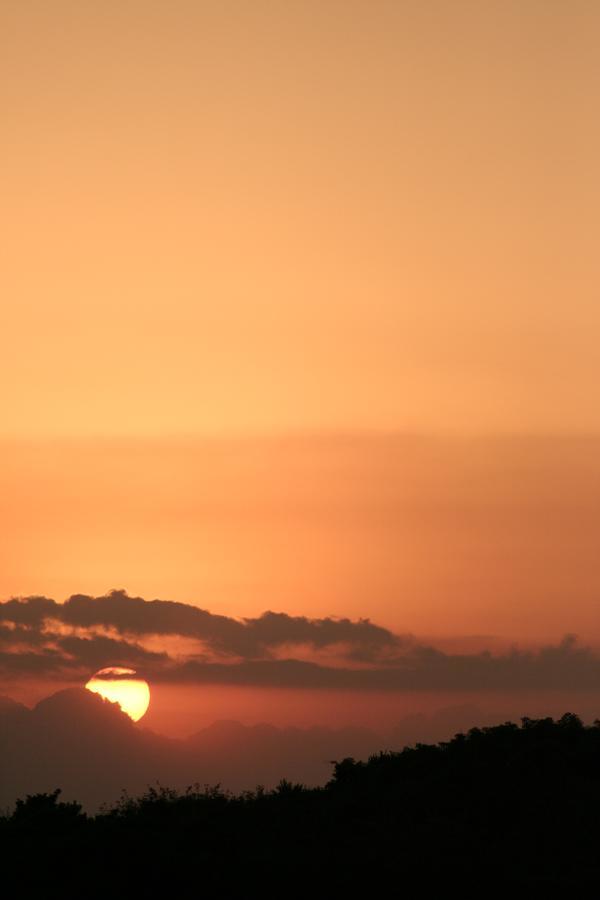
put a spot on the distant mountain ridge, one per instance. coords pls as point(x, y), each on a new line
point(89, 748)
point(75, 740)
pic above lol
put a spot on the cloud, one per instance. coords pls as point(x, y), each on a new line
point(250, 638)
point(18, 635)
point(566, 666)
point(94, 651)
point(30, 611)
point(41, 637)
point(46, 662)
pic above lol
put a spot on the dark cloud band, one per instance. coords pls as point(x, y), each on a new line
point(247, 638)
point(242, 652)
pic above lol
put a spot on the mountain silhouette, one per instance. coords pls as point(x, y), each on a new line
point(84, 744)
point(73, 739)
point(88, 747)
point(10, 710)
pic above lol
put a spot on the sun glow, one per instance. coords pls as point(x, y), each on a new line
point(118, 685)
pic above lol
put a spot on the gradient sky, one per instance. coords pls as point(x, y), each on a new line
point(435, 536)
point(247, 250)
point(233, 216)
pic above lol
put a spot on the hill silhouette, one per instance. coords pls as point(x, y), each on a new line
point(85, 745)
point(498, 809)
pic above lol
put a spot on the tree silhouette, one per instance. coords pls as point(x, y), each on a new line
point(43, 811)
point(498, 809)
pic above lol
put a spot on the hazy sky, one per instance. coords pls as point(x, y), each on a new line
point(348, 222)
point(431, 536)
point(257, 216)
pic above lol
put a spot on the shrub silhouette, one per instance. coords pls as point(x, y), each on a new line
point(43, 811)
point(504, 808)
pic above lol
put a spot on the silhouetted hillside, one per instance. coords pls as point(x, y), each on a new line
point(10, 710)
point(87, 746)
point(498, 810)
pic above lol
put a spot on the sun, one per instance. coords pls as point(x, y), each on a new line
point(120, 685)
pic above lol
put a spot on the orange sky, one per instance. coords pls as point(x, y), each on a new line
point(261, 216)
point(491, 536)
point(243, 219)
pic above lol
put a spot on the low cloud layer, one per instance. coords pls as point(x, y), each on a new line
point(247, 638)
point(40, 637)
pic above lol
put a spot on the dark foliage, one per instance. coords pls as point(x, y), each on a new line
point(499, 809)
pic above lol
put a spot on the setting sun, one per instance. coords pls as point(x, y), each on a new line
point(299, 373)
point(117, 685)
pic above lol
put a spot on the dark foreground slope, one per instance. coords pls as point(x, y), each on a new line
point(497, 810)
